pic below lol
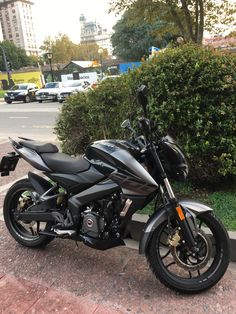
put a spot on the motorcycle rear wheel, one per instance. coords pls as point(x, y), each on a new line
point(24, 233)
point(179, 271)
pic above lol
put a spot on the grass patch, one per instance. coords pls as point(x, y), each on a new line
point(223, 202)
point(2, 93)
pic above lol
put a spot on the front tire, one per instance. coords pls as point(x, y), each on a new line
point(179, 271)
point(22, 232)
point(27, 99)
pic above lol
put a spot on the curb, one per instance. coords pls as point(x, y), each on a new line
point(138, 222)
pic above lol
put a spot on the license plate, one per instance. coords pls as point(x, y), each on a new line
point(8, 163)
point(12, 97)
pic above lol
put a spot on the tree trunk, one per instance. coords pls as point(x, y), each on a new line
point(176, 17)
point(196, 21)
point(188, 19)
point(201, 22)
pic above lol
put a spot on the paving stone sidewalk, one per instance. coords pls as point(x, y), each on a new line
point(118, 280)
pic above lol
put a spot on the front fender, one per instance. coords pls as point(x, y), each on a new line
point(162, 214)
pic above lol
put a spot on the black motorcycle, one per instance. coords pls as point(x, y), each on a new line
point(92, 199)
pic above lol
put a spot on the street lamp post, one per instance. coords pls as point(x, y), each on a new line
point(100, 52)
point(49, 57)
point(6, 65)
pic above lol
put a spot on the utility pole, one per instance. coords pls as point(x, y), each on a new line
point(6, 65)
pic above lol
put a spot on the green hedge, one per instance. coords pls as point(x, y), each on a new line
point(191, 95)
point(94, 115)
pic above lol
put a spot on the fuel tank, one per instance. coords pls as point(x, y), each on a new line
point(114, 161)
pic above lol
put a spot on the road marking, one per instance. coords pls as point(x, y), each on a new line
point(6, 110)
point(43, 126)
point(18, 117)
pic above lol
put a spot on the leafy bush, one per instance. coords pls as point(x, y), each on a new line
point(94, 115)
point(71, 127)
point(192, 96)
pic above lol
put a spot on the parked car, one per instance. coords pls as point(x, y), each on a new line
point(75, 86)
point(108, 77)
point(49, 92)
point(21, 92)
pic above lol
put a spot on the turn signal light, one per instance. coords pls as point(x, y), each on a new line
point(180, 213)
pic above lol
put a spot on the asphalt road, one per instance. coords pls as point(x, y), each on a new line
point(32, 120)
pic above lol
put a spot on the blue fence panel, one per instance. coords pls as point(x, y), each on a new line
point(123, 67)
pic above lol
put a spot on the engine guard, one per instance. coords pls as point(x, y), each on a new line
point(162, 214)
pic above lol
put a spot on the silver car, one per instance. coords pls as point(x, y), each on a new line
point(70, 87)
point(49, 92)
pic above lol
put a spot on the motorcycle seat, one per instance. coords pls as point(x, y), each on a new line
point(62, 163)
point(40, 147)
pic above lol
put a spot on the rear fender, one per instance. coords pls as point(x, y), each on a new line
point(40, 184)
point(161, 215)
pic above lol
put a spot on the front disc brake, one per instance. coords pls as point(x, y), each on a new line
point(191, 260)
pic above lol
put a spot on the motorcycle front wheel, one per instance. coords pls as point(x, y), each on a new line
point(182, 270)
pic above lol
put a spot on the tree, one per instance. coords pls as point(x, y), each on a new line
point(15, 55)
point(190, 17)
point(132, 40)
point(64, 50)
point(61, 46)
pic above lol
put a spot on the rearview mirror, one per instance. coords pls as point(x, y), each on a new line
point(142, 98)
point(126, 124)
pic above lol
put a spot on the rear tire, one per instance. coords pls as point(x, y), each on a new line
point(40, 101)
point(9, 102)
point(17, 229)
point(167, 268)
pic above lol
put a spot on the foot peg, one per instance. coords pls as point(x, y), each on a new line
point(64, 232)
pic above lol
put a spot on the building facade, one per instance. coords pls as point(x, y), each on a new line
point(17, 24)
point(92, 32)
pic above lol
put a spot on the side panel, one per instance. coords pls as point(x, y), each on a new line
point(32, 158)
point(162, 214)
point(75, 183)
point(111, 159)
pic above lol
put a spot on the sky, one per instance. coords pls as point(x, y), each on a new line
point(62, 16)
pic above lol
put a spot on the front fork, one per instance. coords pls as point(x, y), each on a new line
point(185, 219)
